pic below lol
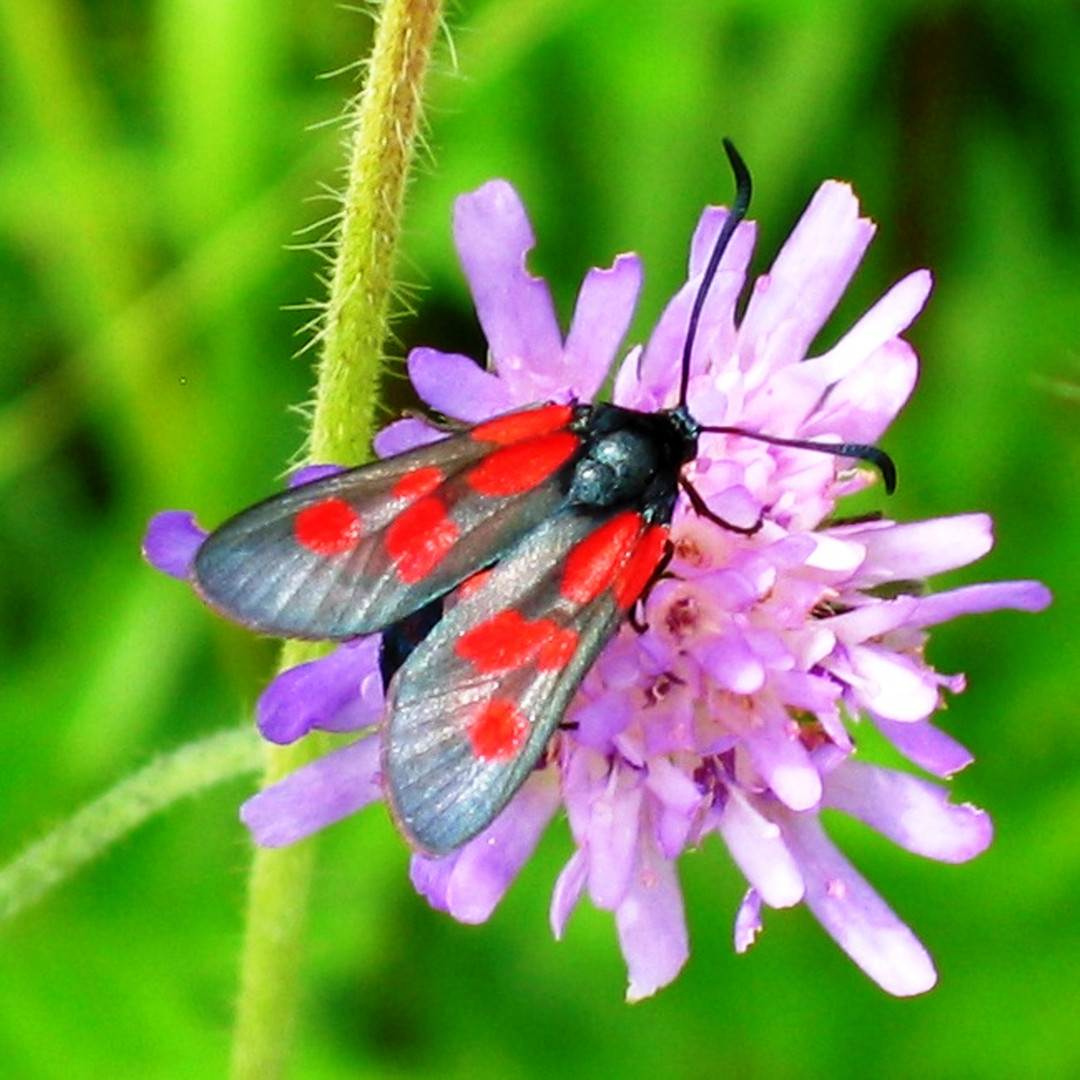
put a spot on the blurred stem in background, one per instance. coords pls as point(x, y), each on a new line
point(161, 784)
point(384, 123)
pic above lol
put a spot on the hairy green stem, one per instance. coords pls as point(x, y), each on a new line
point(356, 327)
point(384, 124)
point(96, 827)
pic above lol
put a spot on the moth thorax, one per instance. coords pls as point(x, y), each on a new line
point(617, 469)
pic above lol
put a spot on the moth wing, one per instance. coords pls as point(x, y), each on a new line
point(357, 551)
point(471, 711)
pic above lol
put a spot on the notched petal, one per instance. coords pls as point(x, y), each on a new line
point(652, 925)
point(602, 317)
point(911, 812)
point(494, 237)
point(457, 386)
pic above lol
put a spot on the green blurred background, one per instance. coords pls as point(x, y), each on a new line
point(158, 160)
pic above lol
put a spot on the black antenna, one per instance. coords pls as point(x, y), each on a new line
point(743, 189)
point(873, 455)
point(860, 451)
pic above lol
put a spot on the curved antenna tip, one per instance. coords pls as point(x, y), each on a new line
point(743, 184)
point(872, 455)
point(740, 204)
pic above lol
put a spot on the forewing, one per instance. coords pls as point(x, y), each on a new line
point(364, 548)
point(472, 709)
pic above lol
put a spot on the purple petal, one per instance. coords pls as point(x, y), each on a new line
point(457, 386)
point(748, 922)
point(470, 882)
point(327, 790)
point(911, 812)
point(873, 619)
point(837, 553)
point(599, 722)
point(790, 305)
point(652, 925)
point(404, 435)
point(338, 692)
point(977, 599)
point(779, 755)
point(170, 543)
point(801, 690)
point(308, 474)
point(735, 505)
point(891, 315)
point(660, 363)
point(921, 549)
point(790, 395)
point(861, 923)
point(431, 878)
point(613, 834)
point(656, 373)
point(863, 404)
point(493, 238)
point(892, 685)
point(707, 231)
point(925, 745)
point(678, 800)
point(627, 389)
point(602, 316)
point(585, 773)
point(733, 664)
point(757, 846)
point(569, 886)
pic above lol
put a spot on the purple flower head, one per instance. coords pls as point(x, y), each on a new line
point(732, 711)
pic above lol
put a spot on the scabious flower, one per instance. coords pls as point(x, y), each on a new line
point(732, 712)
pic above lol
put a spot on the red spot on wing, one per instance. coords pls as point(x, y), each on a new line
point(508, 641)
point(419, 482)
point(593, 563)
point(527, 424)
point(472, 585)
point(498, 731)
point(555, 653)
point(330, 527)
point(636, 574)
point(418, 539)
point(522, 466)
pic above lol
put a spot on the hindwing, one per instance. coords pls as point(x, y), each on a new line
point(473, 707)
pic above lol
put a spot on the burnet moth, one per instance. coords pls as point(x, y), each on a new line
point(497, 562)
